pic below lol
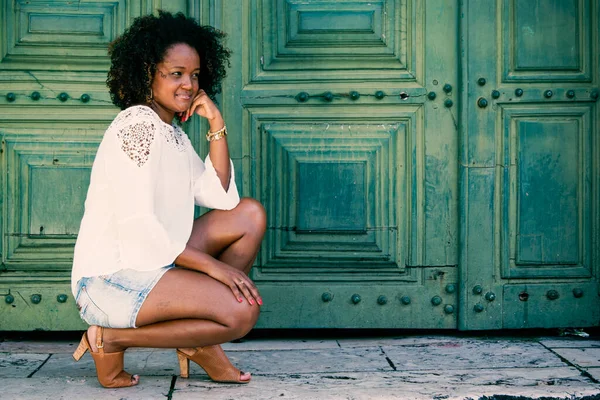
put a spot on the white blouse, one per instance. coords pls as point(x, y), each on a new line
point(139, 208)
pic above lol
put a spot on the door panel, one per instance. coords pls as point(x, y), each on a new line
point(313, 41)
point(550, 305)
point(550, 209)
point(358, 184)
point(61, 35)
point(530, 175)
point(45, 186)
point(54, 108)
point(548, 41)
point(308, 220)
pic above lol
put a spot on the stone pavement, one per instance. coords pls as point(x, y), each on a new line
point(414, 366)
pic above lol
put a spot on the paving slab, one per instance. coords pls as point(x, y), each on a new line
point(566, 343)
point(54, 347)
point(594, 372)
point(164, 362)
point(398, 341)
point(588, 357)
point(82, 388)
point(38, 347)
point(298, 344)
point(20, 365)
point(417, 367)
point(471, 354)
point(559, 382)
point(312, 361)
point(145, 363)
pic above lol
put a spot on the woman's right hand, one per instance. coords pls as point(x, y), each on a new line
point(241, 286)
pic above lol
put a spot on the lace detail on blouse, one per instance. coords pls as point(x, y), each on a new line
point(136, 126)
point(136, 140)
point(173, 136)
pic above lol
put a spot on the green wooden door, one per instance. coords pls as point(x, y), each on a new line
point(465, 205)
point(54, 108)
point(530, 177)
point(360, 186)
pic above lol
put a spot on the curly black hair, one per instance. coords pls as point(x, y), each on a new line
point(136, 52)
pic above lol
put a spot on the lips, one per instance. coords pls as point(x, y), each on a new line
point(184, 96)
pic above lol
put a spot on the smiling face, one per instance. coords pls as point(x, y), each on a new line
point(175, 83)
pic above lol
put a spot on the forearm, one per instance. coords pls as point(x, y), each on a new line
point(194, 259)
point(219, 154)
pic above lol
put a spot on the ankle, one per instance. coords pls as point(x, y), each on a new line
point(112, 343)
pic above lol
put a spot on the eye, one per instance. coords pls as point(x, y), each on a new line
point(176, 73)
point(196, 75)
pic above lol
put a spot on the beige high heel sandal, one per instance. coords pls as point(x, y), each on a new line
point(109, 366)
point(214, 361)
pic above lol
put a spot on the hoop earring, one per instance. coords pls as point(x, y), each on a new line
point(150, 98)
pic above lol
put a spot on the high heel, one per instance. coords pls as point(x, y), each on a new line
point(109, 366)
point(214, 361)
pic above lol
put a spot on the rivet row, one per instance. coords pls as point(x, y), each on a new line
point(353, 95)
point(35, 96)
point(327, 297)
point(36, 298)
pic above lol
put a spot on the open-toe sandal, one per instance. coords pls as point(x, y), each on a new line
point(214, 361)
point(109, 366)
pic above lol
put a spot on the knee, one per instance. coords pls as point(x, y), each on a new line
point(243, 320)
point(253, 213)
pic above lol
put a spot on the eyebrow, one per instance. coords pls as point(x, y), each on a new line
point(178, 66)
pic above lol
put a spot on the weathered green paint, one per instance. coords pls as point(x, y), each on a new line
point(372, 221)
point(359, 185)
point(530, 213)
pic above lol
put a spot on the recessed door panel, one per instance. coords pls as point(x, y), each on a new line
point(532, 129)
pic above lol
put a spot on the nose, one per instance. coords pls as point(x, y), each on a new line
point(186, 82)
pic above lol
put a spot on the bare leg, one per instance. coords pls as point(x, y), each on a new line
point(185, 309)
point(190, 317)
point(189, 309)
point(234, 236)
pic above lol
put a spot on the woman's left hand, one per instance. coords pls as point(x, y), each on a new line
point(205, 107)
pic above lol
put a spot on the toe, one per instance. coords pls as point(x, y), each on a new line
point(245, 376)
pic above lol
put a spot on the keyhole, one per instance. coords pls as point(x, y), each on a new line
point(523, 296)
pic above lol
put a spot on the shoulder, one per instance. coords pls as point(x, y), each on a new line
point(135, 115)
point(135, 131)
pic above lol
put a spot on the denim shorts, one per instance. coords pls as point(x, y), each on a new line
point(113, 301)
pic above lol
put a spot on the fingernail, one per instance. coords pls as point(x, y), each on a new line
point(260, 301)
point(251, 302)
point(240, 300)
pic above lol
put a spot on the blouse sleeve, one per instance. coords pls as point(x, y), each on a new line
point(144, 243)
point(208, 190)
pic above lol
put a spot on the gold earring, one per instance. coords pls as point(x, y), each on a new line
point(150, 98)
